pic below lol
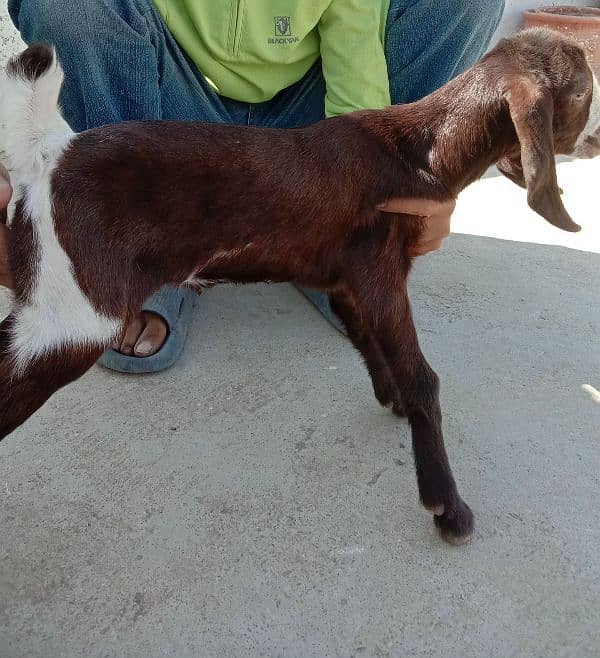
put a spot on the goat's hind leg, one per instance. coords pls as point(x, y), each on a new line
point(384, 386)
point(25, 387)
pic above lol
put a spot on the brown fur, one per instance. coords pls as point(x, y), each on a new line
point(143, 204)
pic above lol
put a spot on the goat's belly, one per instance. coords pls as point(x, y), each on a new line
point(250, 264)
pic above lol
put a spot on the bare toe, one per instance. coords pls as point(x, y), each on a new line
point(131, 335)
point(153, 336)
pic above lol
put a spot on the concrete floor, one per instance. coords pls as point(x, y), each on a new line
point(255, 500)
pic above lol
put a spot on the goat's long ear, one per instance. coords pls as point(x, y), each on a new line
point(532, 112)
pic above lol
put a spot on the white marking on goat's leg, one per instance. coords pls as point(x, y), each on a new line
point(57, 313)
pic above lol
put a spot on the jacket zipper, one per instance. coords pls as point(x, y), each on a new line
point(237, 18)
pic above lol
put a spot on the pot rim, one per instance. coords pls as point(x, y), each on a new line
point(550, 14)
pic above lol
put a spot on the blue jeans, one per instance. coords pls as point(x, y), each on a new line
point(122, 63)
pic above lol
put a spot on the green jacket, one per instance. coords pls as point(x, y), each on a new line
point(251, 49)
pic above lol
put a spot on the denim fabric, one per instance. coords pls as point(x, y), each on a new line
point(121, 63)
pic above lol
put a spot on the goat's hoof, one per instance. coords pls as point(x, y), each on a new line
point(455, 526)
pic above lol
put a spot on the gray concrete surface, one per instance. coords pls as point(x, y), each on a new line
point(255, 501)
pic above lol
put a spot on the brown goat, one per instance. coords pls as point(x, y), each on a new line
point(106, 217)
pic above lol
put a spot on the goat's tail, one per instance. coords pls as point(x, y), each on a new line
point(30, 114)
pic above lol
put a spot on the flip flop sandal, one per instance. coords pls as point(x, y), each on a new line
point(175, 306)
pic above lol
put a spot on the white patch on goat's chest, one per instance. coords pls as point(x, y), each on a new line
point(57, 313)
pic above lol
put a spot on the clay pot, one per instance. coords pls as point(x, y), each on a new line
point(580, 23)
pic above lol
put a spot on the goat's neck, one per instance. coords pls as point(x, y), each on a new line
point(456, 132)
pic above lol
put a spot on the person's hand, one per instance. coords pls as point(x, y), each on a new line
point(437, 216)
point(5, 194)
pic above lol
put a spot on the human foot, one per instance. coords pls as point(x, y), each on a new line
point(154, 339)
point(143, 336)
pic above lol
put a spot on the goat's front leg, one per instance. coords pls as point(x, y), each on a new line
point(416, 386)
point(26, 386)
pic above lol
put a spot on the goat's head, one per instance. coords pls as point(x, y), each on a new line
point(553, 99)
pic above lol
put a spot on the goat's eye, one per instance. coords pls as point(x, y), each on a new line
point(582, 95)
